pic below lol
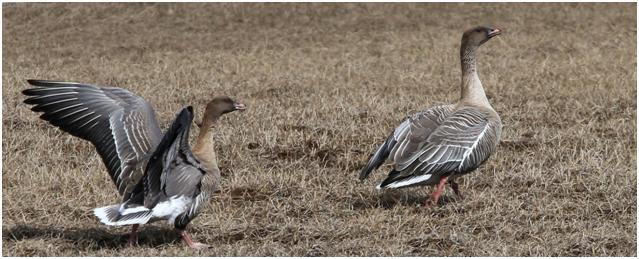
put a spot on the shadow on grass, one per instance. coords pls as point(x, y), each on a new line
point(391, 198)
point(149, 236)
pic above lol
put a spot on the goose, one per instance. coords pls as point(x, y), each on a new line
point(441, 143)
point(158, 176)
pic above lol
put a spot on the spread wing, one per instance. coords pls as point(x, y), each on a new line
point(121, 125)
point(407, 137)
point(173, 170)
point(460, 144)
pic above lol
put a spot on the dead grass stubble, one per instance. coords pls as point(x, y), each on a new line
point(325, 83)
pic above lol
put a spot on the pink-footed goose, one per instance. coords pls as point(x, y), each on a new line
point(158, 176)
point(444, 142)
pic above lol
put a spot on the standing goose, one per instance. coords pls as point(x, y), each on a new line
point(441, 143)
point(158, 176)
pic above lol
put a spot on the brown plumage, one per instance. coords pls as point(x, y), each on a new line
point(158, 175)
point(444, 142)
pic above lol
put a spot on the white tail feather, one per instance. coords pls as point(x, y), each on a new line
point(114, 215)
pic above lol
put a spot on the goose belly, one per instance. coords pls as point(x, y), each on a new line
point(171, 208)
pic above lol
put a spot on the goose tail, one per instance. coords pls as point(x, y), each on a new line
point(378, 158)
point(119, 215)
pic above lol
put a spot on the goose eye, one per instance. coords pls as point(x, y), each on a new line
point(477, 30)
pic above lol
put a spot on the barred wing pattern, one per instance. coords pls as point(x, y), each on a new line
point(407, 137)
point(414, 134)
point(121, 125)
point(459, 145)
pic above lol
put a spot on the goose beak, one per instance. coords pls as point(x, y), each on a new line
point(239, 106)
point(494, 32)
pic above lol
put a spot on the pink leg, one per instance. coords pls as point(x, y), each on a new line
point(455, 187)
point(437, 192)
point(133, 237)
point(189, 241)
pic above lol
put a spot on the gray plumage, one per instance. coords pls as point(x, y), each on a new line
point(443, 141)
point(172, 179)
point(158, 176)
point(122, 126)
point(440, 141)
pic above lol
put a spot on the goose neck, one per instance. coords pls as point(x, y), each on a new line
point(204, 148)
point(472, 90)
point(468, 60)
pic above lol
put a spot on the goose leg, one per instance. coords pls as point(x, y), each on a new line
point(455, 187)
point(438, 192)
point(133, 237)
point(189, 241)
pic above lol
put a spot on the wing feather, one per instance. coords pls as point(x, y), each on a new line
point(463, 141)
point(406, 138)
point(173, 170)
point(121, 125)
point(419, 129)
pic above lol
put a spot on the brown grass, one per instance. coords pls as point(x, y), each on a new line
point(324, 84)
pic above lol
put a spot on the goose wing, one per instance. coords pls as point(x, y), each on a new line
point(462, 142)
point(172, 169)
point(407, 137)
point(121, 125)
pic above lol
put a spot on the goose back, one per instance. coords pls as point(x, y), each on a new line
point(461, 143)
point(407, 138)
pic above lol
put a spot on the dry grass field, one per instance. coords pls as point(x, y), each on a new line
point(325, 84)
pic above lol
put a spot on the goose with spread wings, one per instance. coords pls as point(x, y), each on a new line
point(441, 143)
point(157, 175)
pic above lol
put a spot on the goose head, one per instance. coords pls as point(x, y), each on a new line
point(479, 35)
point(221, 105)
